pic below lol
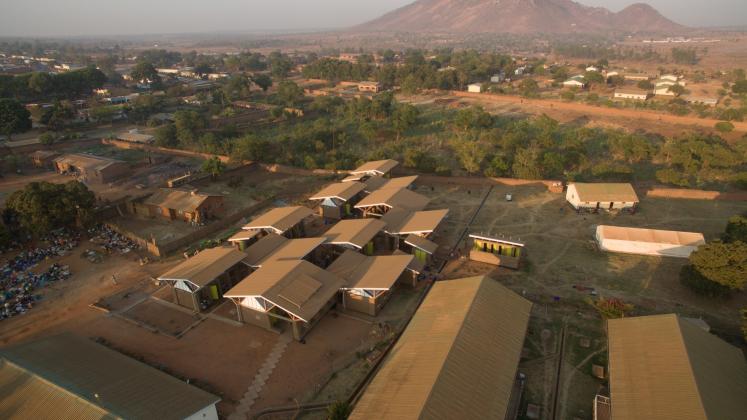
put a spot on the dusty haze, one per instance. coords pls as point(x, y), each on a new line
point(97, 17)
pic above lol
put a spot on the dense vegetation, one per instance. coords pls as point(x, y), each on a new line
point(45, 86)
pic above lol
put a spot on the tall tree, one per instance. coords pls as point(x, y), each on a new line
point(14, 117)
point(722, 263)
point(42, 206)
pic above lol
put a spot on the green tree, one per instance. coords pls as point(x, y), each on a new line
point(339, 410)
point(404, 117)
point(14, 117)
point(692, 279)
point(47, 138)
point(289, 93)
point(166, 136)
point(40, 82)
point(144, 71)
point(724, 127)
point(188, 124)
point(677, 89)
point(529, 88)
point(736, 229)
point(42, 206)
point(722, 263)
point(58, 115)
point(214, 166)
point(739, 87)
point(263, 81)
point(645, 85)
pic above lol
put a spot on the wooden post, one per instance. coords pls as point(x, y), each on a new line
point(195, 302)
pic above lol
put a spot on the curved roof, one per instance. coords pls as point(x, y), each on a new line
point(394, 198)
point(342, 191)
point(280, 219)
point(381, 167)
point(356, 232)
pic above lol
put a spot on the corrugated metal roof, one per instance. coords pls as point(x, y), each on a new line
point(95, 374)
point(650, 235)
point(341, 190)
point(276, 280)
point(663, 367)
point(206, 266)
point(177, 199)
point(282, 218)
point(357, 232)
point(381, 167)
point(370, 273)
point(605, 192)
point(136, 137)
point(456, 360)
point(400, 198)
point(87, 162)
point(403, 222)
point(421, 243)
point(243, 235)
point(263, 248)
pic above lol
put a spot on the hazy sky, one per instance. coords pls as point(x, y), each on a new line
point(124, 17)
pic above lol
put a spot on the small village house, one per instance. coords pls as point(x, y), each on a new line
point(44, 159)
point(90, 168)
point(379, 202)
point(136, 138)
point(337, 200)
point(701, 100)
point(602, 196)
point(370, 280)
point(422, 248)
point(500, 251)
point(189, 206)
point(632, 93)
point(355, 234)
point(474, 88)
point(200, 282)
point(663, 243)
point(666, 367)
point(575, 81)
point(67, 376)
point(638, 76)
point(286, 293)
point(370, 87)
point(286, 221)
point(458, 357)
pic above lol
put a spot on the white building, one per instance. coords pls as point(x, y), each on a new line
point(663, 243)
point(669, 77)
point(702, 100)
point(601, 196)
point(475, 88)
point(632, 93)
point(575, 81)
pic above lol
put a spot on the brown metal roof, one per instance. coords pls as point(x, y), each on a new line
point(370, 273)
point(342, 190)
point(605, 192)
point(177, 199)
point(650, 235)
point(87, 162)
point(403, 222)
point(294, 249)
point(663, 367)
point(298, 287)
point(400, 198)
point(136, 137)
point(263, 248)
point(456, 360)
point(243, 235)
point(374, 183)
point(421, 243)
point(401, 182)
point(381, 167)
point(44, 374)
point(280, 219)
point(205, 267)
point(356, 232)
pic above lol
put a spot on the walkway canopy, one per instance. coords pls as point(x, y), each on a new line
point(202, 269)
point(280, 219)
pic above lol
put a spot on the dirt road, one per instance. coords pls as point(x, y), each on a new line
point(597, 111)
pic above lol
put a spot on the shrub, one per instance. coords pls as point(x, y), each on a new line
point(724, 127)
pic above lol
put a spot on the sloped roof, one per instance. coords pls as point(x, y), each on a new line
point(457, 359)
point(379, 182)
point(281, 218)
point(178, 199)
point(66, 376)
point(206, 266)
point(263, 248)
point(243, 235)
point(342, 190)
point(136, 137)
point(369, 273)
point(294, 249)
point(394, 198)
point(382, 167)
point(662, 366)
point(650, 235)
point(606, 192)
point(632, 90)
point(421, 243)
point(403, 222)
point(298, 287)
point(87, 162)
point(356, 232)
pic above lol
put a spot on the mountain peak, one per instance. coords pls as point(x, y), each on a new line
point(519, 17)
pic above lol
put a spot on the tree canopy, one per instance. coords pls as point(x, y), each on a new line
point(14, 117)
point(41, 207)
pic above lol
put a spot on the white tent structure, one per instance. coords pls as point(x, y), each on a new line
point(662, 243)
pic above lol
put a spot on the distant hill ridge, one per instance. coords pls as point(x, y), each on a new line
point(520, 17)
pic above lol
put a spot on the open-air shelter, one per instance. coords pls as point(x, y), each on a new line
point(381, 201)
point(286, 221)
point(336, 201)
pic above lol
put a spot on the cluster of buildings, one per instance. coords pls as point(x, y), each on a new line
point(281, 273)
